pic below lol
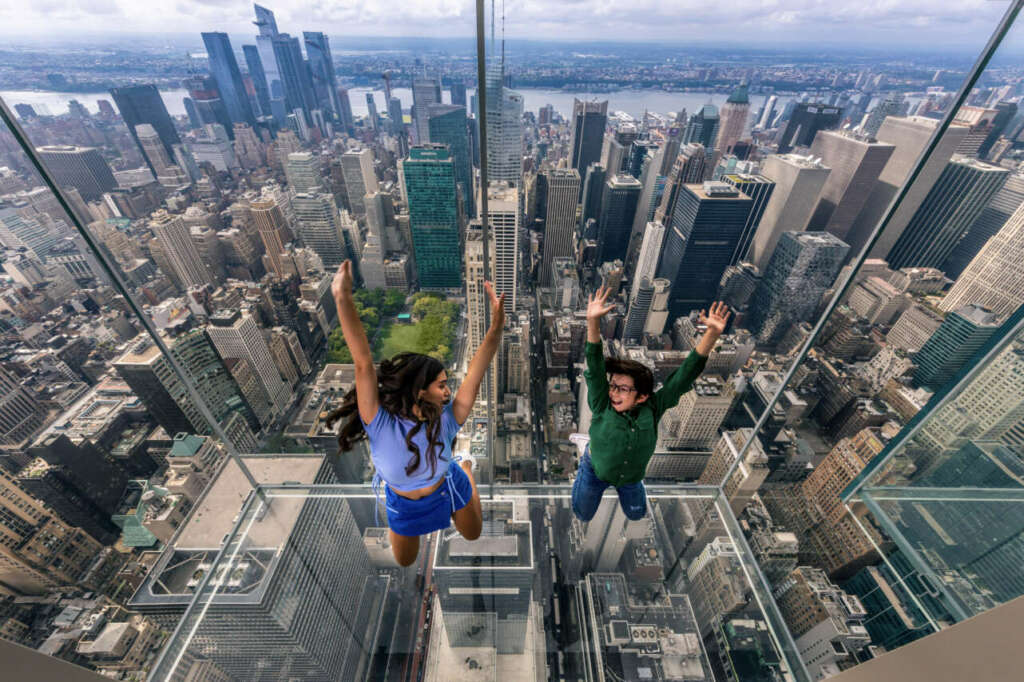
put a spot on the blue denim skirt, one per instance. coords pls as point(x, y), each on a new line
point(433, 512)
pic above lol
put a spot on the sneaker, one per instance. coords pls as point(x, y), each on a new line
point(473, 464)
point(580, 440)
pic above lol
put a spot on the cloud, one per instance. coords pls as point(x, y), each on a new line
point(896, 22)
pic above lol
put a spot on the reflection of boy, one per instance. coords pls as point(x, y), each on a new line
point(626, 411)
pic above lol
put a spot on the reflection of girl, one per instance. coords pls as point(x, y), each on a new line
point(405, 413)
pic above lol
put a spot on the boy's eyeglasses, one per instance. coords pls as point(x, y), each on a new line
point(619, 388)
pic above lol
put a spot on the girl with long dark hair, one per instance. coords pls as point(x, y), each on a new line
point(407, 413)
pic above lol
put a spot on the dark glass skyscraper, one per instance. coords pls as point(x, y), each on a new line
point(805, 122)
point(321, 68)
point(433, 216)
point(447, 125)
point(759, 189)
point(225, 72)
point(803, 266)
point(142, 104)
point(707, 224)
point(588, 123)
point(298, 85)
point(259, 78)
point(615, 224)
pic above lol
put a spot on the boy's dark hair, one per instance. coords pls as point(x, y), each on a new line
point(643, 378)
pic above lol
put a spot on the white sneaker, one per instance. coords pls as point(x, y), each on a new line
point(473, 464)
point(581, 441)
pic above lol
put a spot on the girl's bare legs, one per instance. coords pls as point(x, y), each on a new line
point(404, 548)
point(469, 519)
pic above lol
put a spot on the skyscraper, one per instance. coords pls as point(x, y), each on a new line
point(142, 104)
point(952, 205)
point(229, 79)
point(321, 68)
point(733, 120)
point(269, 220)
point(702, 128)
point(295, 78)
point(303, 172)
point(235, 335)
point(615, 221)
point(994, 279)
point(179, 249)
point(561, 195)
point(153, 149)
point(504, 130)
point(992, 218)
point(80, 167)
point(805, 122)
point(447, 125)
point(650, 254)
point(707, 224)
point(425, 91)
point(371, 112)
point(798, 182)
point(360, 178)
point(458, 93)
point(259, 78)
point(21, 414)
point(345, 110)
point(587, 129)
point(856, 165)
point(433, 215)
point(144, 368)
point(759, 189)
point(503, 211)
point(636, 313)
point(802, 267)
point(318, 225)
point(961, 334)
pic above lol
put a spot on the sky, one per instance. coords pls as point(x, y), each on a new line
point(906, 23)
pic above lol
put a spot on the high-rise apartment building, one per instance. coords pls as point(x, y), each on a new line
point(503, 211)
point(225, 72)
point(80, 167)
point(994, 279)
point(953, 204)
point(589, 120)
point(717, 586)
point(434, 218)
point(803, 267)
point(179, 249)
point(238, 336)
point(448, 125)
point(958, 338)
point(913, 328)
point(562, 190)
point(747, 476)
point(143, 104)
point(798, 184)
point(805, 122)
point(693, 424)
point(707, 224)
point(856, 165)
point(615, 221)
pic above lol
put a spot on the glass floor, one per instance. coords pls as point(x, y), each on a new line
point(301, 584)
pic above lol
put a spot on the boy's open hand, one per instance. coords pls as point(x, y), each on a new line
point(596, 308)
point(716, 319)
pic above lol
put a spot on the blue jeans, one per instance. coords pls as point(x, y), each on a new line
point(588, 488)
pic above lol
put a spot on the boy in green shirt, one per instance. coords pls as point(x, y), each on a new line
point(627, 409)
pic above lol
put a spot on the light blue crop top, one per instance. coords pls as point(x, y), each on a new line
point(390, 453)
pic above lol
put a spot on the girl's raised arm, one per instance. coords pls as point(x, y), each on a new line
point(355, 336)
point(470, 387)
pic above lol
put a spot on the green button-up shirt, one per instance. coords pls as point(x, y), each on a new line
point(622, 443)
